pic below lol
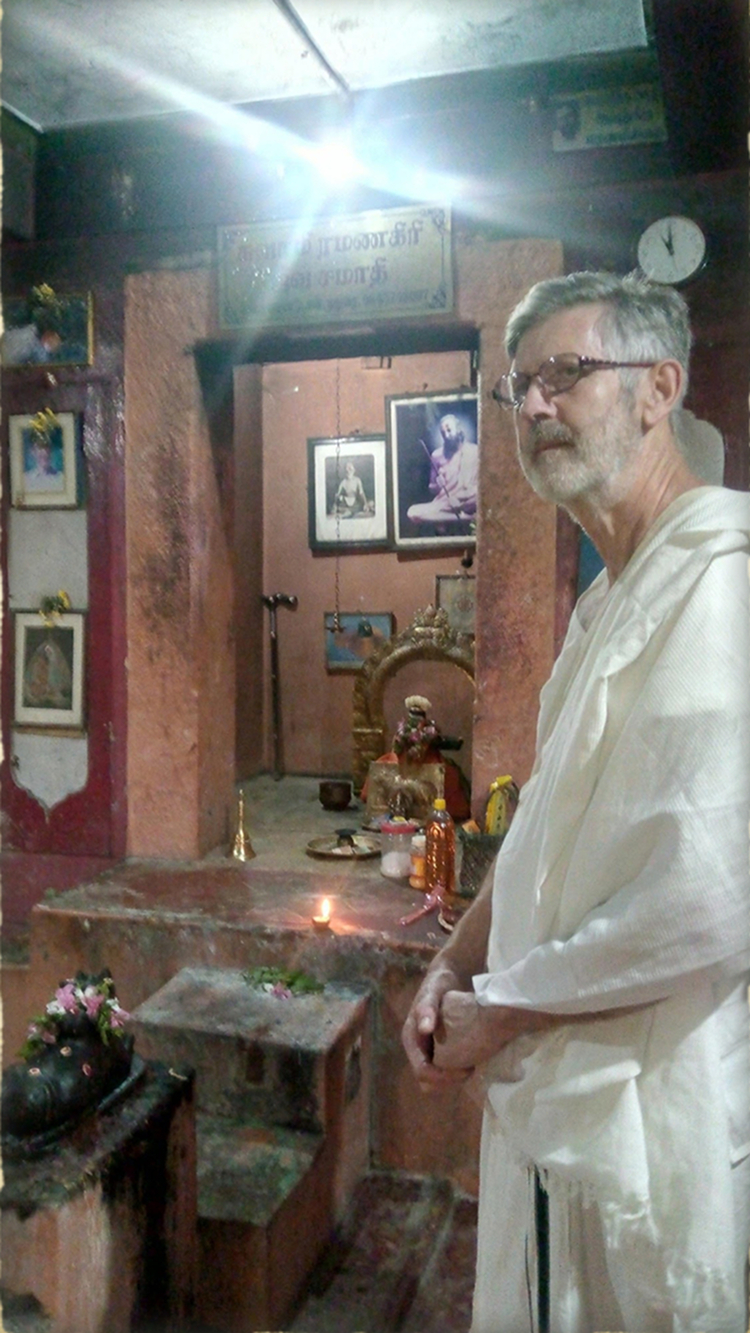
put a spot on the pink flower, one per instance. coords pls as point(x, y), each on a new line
point(66, 997)
point(87, 1070)
point(49, 1037)
point(92, 1002)
point(117, 1015)
point(33, 1030)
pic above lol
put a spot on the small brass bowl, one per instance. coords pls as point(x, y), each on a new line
point(335, 794)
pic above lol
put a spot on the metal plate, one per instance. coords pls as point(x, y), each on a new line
point(360, 849)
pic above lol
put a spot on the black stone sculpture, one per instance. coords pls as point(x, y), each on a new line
point(76, 1056)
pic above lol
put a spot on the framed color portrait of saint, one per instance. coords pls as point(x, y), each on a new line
point(46, 329)
point(48, 670)
point(43, 464)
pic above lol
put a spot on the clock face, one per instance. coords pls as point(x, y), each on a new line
point(672, 250)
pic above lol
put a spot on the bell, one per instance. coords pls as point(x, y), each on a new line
point(242, 848)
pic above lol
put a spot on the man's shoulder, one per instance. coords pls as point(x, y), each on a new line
point(713, 509)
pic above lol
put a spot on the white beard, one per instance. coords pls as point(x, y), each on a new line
point(589, 461)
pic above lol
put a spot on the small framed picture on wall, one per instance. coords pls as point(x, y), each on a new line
point(47, 329)
point(456, 595)
point(48, 670)
point(434, 457)
point(360, 632)
point(43, 460)
point(347, 493)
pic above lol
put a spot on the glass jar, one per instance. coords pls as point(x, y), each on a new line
point(395, 848)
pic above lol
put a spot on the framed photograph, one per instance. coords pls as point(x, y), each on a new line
point(43, 470)
point(45, 329)
point(348, 649)
point(347, 491)
point(434, 457)
point(456, 595)
point(48, 670)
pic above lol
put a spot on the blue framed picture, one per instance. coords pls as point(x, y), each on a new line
point(360, 633)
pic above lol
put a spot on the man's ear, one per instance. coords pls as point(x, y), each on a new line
point(661, 391)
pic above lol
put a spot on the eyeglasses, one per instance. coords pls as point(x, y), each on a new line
point(555, 375)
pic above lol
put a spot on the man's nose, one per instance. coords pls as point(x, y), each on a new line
point(537, 403)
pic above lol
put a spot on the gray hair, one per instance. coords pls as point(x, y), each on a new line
point(641, 320)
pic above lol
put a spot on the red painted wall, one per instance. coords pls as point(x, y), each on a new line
point(91, 822)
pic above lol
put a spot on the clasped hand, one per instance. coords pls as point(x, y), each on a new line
point(448, 1033)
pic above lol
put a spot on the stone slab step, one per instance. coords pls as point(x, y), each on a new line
point(246, 1172)
point(264, 1215)
point(284, 1061)
point(283, 1129)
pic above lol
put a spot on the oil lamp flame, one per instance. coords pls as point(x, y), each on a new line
point(324, 916)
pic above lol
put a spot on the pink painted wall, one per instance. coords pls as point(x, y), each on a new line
point(180, 654)
point(299, 401)
point(516, 533)
point(184, 620)
point(249, 613)
point(515, 562)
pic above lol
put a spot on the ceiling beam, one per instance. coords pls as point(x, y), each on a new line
point(292, 17)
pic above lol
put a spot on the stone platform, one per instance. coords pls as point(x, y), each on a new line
point(283, 1092)
point(100, 1230)
point(148, 920)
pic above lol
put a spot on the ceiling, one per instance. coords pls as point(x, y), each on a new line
point(69, 63)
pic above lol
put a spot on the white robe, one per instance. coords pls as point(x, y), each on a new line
point(625, 881)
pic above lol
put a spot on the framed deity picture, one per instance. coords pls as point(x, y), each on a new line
point(360, 632)
point(48, 670)
point(347, 491)
point(456, 595)
point(46, 329)
point(43, 461)
point(434, 456)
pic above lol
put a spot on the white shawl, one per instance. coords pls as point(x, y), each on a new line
point(623, 881)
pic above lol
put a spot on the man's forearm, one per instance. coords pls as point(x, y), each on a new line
point(451, 969)
point(465, 953)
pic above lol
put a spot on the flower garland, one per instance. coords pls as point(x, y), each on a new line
point(282, 983)
point(415, 735)
point(81, 996)
point(54, 605)
point(44, 424)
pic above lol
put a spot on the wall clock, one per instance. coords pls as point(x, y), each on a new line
point(672, 249)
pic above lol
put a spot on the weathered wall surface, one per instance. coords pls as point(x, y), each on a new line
point(180, 652)
point(516, 533)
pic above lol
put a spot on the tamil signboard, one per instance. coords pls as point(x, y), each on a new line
point(608, 117)
point(375, 265)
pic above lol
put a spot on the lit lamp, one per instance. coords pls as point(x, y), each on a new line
point(323, 920)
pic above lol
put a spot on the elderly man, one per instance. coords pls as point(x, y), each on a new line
point(454, 478)
point(599, 981)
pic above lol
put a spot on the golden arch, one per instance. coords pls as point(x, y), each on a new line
point(429, 637)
